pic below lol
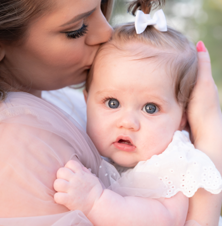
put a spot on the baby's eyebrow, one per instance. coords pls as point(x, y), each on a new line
point(106, 94)
point(107, 91)
point(157, 98)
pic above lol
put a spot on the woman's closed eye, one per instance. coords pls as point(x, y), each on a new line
point(112, 103)
point(150, 108)
point(77, 33)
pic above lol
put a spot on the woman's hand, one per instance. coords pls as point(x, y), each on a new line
point(204, 113)
point(204, 107)
point(76, 187)
point(204, 116)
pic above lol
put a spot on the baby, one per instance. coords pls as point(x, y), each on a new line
point(137, 95)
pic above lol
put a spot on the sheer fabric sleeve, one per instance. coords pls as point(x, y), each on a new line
point(36, 139)
point(191, 223)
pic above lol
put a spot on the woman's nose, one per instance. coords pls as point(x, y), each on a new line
point(99, 30)
point(129, 121)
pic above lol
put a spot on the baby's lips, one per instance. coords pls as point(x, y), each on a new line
point(123, 138)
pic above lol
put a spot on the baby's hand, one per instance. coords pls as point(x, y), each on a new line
point(77, 188)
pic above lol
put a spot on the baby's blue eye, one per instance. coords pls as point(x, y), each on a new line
point(112, 103)
point(150, 108)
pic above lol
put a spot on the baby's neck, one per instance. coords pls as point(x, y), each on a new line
point(121, 169)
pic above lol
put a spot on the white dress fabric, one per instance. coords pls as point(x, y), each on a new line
point(180, 167)
point(70, 100)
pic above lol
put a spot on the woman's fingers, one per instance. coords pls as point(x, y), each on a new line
point(204, 66)
point(204, 113)
point(61, 185)
point(205, 92)
point(204, 103)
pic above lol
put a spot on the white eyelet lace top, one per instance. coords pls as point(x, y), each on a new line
point(180, 167)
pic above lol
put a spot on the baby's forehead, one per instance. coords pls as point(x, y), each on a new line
point(129, 62)
point(131, 54)
point(133, 51)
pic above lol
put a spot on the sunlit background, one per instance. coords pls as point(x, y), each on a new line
point(197, 19)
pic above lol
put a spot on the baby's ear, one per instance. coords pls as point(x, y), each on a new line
point(183, 121)
point(85, 93)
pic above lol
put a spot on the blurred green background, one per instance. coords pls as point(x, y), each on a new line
point(197, 19)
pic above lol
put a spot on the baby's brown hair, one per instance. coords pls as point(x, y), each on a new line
point(174, 50)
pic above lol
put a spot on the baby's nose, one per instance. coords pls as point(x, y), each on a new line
point(129, 121)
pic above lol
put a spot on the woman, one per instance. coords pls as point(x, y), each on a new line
point(47, 45)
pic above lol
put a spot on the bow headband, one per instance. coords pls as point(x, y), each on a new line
point(143, 20)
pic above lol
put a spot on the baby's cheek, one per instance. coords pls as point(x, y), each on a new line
point(160, 142)
point(96, 135)
point(165, 139)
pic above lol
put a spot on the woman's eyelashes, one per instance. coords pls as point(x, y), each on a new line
point(112, 103)
point(77, 33)
point(150, 108)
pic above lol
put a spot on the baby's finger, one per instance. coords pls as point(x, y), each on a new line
point(74, 166)
point(61, 185)
point(61, 198)
point(65, 173)
point(87, 170)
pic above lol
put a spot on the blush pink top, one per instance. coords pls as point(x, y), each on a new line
point(36, 139)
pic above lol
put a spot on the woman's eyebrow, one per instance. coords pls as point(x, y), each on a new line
point(78, 17)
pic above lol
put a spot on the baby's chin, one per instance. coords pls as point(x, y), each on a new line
point(124, 163)
point(119, 159)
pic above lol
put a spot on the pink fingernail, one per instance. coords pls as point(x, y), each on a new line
point(201, 47)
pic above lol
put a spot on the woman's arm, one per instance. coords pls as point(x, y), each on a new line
point(205, 119)
point(79, 189)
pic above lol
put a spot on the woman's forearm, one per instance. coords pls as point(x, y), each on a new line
point(204, 203)
point(204, 115)
point(210, 140)
point(198, 211)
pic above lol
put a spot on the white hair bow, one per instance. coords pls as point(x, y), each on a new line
point(143, 20)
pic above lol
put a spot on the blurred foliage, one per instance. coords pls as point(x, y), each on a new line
point(197, 19)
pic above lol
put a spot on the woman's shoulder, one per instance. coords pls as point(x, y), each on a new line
point(26, 101)
point(18, 103)
point(36, 139)
point(50, 125)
